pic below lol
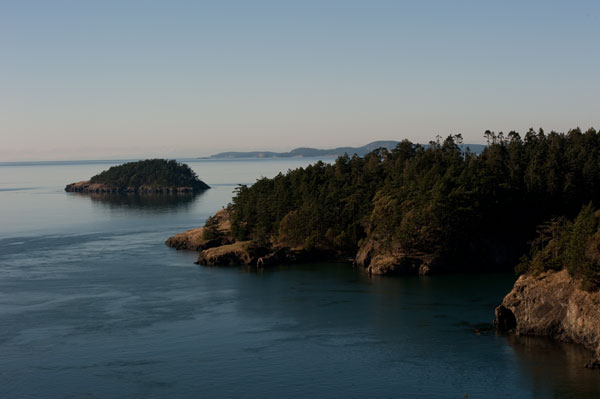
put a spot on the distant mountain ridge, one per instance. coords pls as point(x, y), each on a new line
point(308, 152)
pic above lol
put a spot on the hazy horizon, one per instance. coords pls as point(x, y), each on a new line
point(181, 79)
point(190, 155)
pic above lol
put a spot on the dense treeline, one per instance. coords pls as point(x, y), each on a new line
point(152, 173)
point(466, 210)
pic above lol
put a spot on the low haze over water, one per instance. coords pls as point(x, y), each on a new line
point(93, 304)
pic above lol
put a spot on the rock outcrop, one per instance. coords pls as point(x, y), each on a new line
point(194, 240)
point(390, 264)
point(237, 253)
point(376, 260)
point(553, 304)
point(222, 249)
point(87, 187)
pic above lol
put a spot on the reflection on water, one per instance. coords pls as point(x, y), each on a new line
point(143, 202)
point(554, 368)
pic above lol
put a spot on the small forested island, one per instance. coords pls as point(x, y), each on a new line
point(525, 201)
point(143, 177)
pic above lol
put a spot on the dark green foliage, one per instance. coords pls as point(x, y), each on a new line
point(211, 229)
point(585, 225)
point(469, 211)
point(152, 173)
point(549, 250)
point(574, 246)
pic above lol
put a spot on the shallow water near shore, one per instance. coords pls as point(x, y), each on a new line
point(93, 304)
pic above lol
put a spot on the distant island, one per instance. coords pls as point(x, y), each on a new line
point(143, 177)
point(306, 152)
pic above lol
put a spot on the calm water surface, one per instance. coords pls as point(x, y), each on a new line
point(93, 304)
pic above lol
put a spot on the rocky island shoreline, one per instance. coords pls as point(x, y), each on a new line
point(99, 188)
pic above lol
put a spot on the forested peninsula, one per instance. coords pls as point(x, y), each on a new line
point(143, 177)
point(421, 210)
point(525, 203)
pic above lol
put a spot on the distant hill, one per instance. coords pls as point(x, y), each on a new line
point(306, 152)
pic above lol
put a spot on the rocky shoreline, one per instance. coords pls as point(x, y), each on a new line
point(224, 250)
point(552, 304)
point(97, 188)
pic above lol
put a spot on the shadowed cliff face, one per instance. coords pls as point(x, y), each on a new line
point(552, 304)
point(505, 319)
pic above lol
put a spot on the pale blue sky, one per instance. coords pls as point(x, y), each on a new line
point(99, 79)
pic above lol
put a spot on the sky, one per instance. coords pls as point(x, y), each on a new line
point(125, 79)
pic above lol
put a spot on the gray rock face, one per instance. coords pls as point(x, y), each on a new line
point(552, 304)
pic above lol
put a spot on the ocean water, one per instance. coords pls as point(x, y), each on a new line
point(93, 304)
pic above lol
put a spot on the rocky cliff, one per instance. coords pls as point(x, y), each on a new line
point(377, 260)
point(553, 304)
